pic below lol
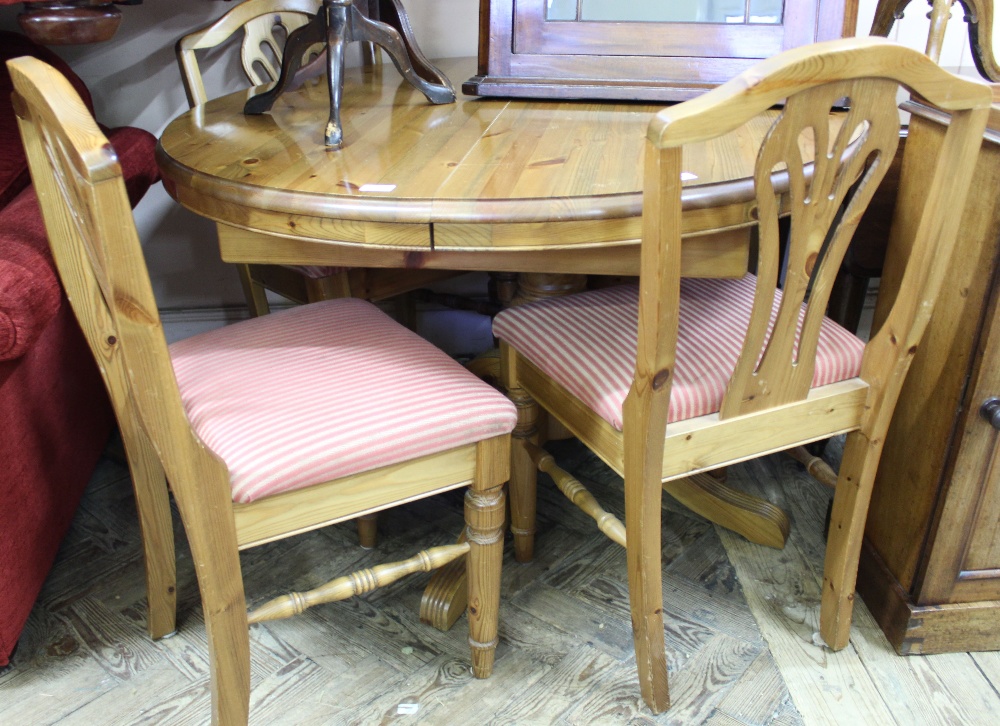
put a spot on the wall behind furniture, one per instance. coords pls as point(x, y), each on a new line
point(135, 81)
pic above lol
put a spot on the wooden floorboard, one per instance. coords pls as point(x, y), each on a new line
point(740, 626)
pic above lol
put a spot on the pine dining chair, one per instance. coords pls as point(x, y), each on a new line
point(267, 428)
point(264, 23)
point(674, 377)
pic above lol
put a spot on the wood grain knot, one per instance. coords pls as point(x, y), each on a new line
point(548, 162)
point(20, 108)
point(661, 379)
point(132, 310)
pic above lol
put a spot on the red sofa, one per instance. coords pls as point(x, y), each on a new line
point(55, 417)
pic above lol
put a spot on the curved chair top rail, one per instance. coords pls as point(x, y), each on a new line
point(246, 16)
point(731, 104)
point(239, 16)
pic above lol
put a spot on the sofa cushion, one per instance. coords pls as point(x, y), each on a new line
point(29, 289)
point(13, 165)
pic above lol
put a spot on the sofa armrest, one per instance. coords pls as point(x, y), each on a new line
point(30, 294)
point(136, 151)
point(29, 290)
point(13, 166)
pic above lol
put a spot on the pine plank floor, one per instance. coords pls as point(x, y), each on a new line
point(740, 625)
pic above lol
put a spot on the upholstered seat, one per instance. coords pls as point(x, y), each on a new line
point(587, 343)
point(324, 391)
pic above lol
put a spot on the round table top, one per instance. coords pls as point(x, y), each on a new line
point(407, 161)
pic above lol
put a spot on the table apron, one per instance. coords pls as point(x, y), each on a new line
point(720, 254)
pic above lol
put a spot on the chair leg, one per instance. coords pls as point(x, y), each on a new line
point(229, 657)
point(523, 476)
point(643, 502)
point(152, 501)
point(254, 292)
point(847, 528)
point(368, 531)
point(217, 564)
point(642, 525)
point(484, 517)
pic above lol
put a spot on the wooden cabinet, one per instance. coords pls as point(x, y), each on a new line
point(639, 50)
point(930, 570)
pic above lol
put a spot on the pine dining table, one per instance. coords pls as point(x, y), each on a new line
point(550, 190)
point(527, 186)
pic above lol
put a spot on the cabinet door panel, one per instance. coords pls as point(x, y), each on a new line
point(964, 564)
point(984, 548)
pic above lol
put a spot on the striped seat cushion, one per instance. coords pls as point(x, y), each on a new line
point(325, 390)
point(587, 343)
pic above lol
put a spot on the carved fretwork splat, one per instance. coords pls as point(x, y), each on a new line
point(340, 22)
point(261, 45)
point(827, 201)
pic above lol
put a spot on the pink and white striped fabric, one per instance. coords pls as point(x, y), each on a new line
point(325, 390)
point(587, 343)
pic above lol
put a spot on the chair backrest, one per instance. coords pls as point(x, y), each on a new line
point(92, 233)
point(260, 51)
point(825, 201)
